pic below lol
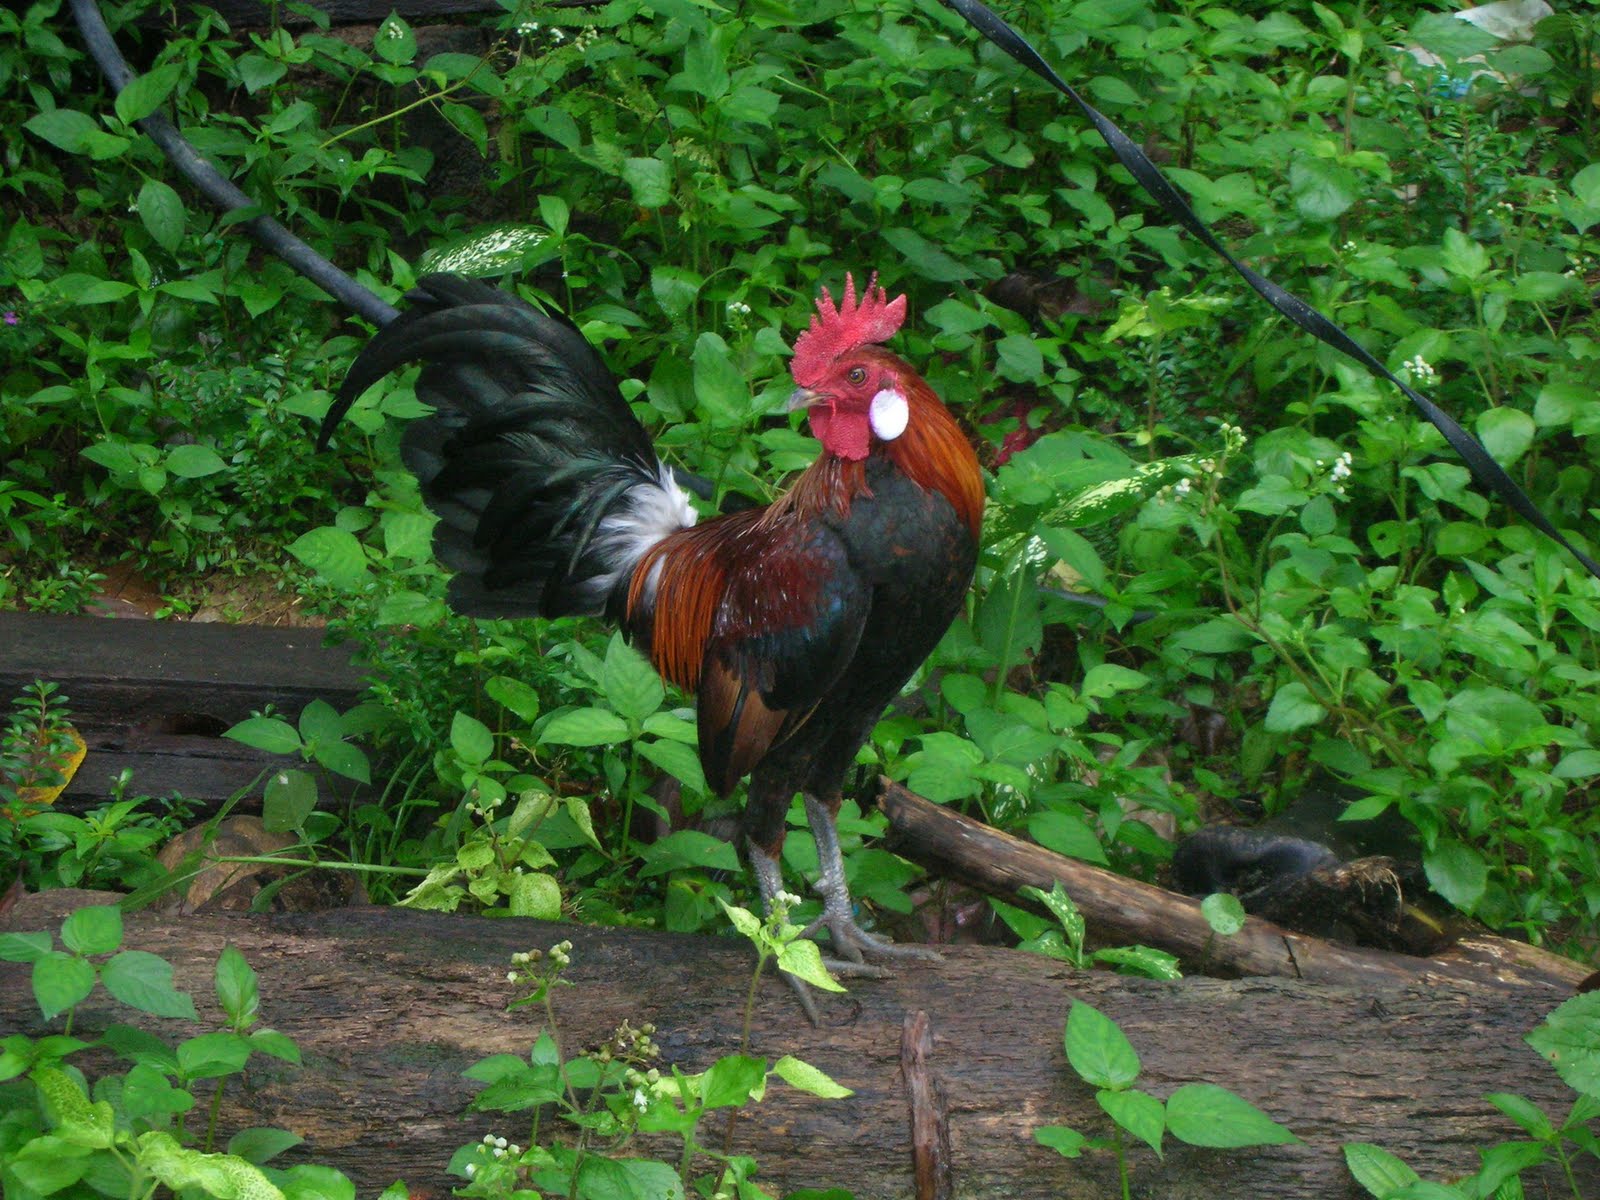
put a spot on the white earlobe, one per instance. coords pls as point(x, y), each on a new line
point(889, 414)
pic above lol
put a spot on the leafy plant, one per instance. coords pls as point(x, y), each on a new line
point(1199, 1114)
point(126, 1133)
point(1569, 1039)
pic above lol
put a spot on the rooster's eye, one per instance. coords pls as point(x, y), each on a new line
point(857, 375)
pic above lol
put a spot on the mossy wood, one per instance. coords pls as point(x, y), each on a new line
point(389, 1006)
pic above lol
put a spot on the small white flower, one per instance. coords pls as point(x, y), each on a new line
point(640, 1100)
point(528, 28)
point(472, 1169)
point(1341, 467)
point(488, 1139)
point(500, 1143)
point(1181, 489)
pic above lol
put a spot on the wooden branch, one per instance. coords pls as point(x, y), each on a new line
point(1125, 911)
point(389, 1006)
point(153, 697)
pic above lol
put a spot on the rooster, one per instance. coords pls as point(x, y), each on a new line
point(795, 624)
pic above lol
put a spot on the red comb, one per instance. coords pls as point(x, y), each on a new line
point(837, 329)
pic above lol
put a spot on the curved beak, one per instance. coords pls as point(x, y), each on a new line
point(803, 397)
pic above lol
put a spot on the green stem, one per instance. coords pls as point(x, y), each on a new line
point(211, 1118)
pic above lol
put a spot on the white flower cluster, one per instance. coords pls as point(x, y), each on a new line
point(1582, 265)
point(495, 1147)
point(1341, 467)
point(1420, 370)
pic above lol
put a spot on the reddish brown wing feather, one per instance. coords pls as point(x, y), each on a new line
point(760, 612)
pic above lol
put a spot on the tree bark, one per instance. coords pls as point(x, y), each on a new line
point(389, 1006)
point(1122, 911)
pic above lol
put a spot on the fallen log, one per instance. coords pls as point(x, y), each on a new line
point(389, 1006)
point(1123, 911)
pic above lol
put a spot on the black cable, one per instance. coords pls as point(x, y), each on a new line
point(1482, 465)
point(218, 189)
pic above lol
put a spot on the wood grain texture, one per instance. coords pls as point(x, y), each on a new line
point(153, 697)
point(389, 1007)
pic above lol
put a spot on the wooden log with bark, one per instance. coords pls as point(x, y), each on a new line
point(1122, 911)
point(390, 1006)
point(154, 697)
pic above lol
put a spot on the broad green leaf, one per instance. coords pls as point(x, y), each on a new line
point(1457, 872)
point(238, 993)
point(161, 210)
point(513, 695)
point(802, 1075)
point(1068, 1143)
point(533, 894)
point(1506, 433)
point(631, 684)
point(287, 799)
point(1375, 1169)
point(802, 958)
point(471, 739)
point(1099, 1051)
point(333, 554)
point(1223, 913)
point(93, 930)
point(24, 947)
point(72, 1116)
point(61, 981)
point(266, 733)
point(729, 1081)
point(650, 179)
point(1140, 1113)
point(1570, 1039)
point(64, 128)
point(584, 727)
point(144, 981)
point(1203, 1114)
point(146, 93)
point(688, 848)
point(1322, 189)
point(210, 1055)
point(1292, 708)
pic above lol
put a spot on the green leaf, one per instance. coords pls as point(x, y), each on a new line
point(394, 42)
point(802, 958)
point(1223, 913)
point(730, 1080)
point(1375, 1169)
point(1140, 1113)
point(1457, 872)
point(675, 289)
point(1462, 256)
point(1107, 679)
point(24, 947)
point(1322, 189)
point(688, 848)
point(650, 179)
point(258, 1145)
point(161, 210)
point(144, 981)
point(1570, 1039)
point(1292, 708)
point(146, 93)
point(533, 894)
point(48, 1164)
point(630, 683)
point(1099, 1051)
point(288, 798)
point(470, 738)
point(333, 554)
point(926, 258)
point(164, 1158)
point(584, 727)
point(64, 128)
point(211, 1055)
point(807, 1078)
point(1068, 1143)
point(1203, 1114)
point(266, 733)
point(720, 387)
point(147, 1092)
point(72, 1116)
point(61, 981)
point(678, 760)
point(1506, 433)
point(93, 930)
point(513, 695)
point(1066, 834)
point(237, 989)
